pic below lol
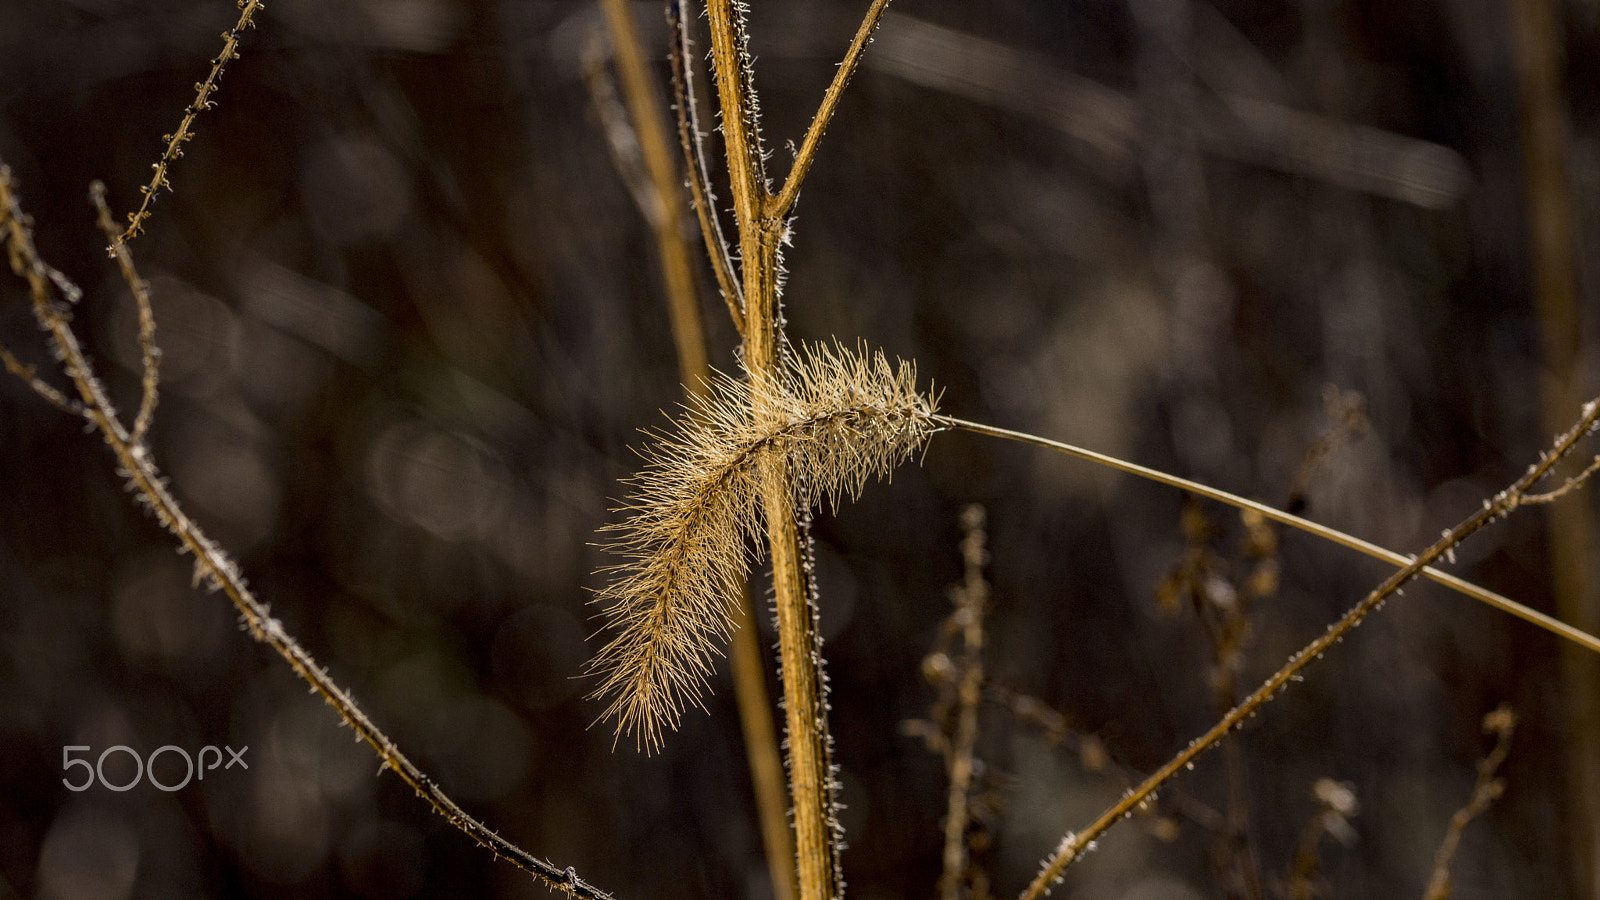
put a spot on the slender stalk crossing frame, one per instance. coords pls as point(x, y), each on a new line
point(1073, 845)
point(762, 220)
point(1504, 604)
point(202, 102)
point(212, 565)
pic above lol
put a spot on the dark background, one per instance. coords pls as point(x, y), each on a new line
point(412, 324)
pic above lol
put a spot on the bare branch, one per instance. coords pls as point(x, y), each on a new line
point(216, 570)
point(830, 103)
point(1073, 845)
point(149, 353)
point(691, 143)
point(202, 102)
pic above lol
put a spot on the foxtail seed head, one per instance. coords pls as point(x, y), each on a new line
point(837, 416)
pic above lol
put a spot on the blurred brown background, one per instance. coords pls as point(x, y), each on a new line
point(412, 325)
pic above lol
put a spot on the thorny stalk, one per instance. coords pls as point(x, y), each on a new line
point(762, 220)
point(1502, 504)
point(149, 353)
point(691, 143)
point(1503, 723)
point(659, 195)
point(783, 203)
point(202, 102)
point(212, 565)
point(971, 599)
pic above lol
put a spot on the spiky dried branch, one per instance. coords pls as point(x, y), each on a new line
point(1072, 845)
point(202, 102)
point(213, 567)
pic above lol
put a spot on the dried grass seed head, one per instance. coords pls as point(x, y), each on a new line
point(836, 415)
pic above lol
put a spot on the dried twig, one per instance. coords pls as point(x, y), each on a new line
point(783, 203)
point(30, 377)
point(691, 143)
point(1073, 845)
point(202, 101)
point(971, 600)
point(149, 353)
point(1502, 723)
point(212, 565)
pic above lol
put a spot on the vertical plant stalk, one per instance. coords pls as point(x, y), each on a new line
point(691, 143)
point(1503, 723)
point(641, 97)
point(667, 214)
point(1073, 845)
point(763, 222)
point(212, 566)
point(1571, 526)
point(972, 601)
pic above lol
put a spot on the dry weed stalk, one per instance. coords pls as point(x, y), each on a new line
point(1519, 493)
point(1502, 723)
point(638, 135)
point(212, 566)
point(762, 219)
point(1336, 806)
point(202, 102)
point(971, 600)
point(1204, 579)
point(955, 667)
point(834, 419)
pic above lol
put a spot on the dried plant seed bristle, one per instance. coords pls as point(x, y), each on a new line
point(835, 415)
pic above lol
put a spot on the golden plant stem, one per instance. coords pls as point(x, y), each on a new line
point(641, 97)
point(761, 746)
point(809, 777)
point(1073, 845)
point(215, 568)
point(1504, 604)
point(762, 222)
point(972, 604)
point(202, 102)
point(807, 153)
point(692, 145)
point(759, 233)
point(1571, 526)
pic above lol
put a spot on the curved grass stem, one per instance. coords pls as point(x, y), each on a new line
point(1073, 845)
point(1502, 603)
